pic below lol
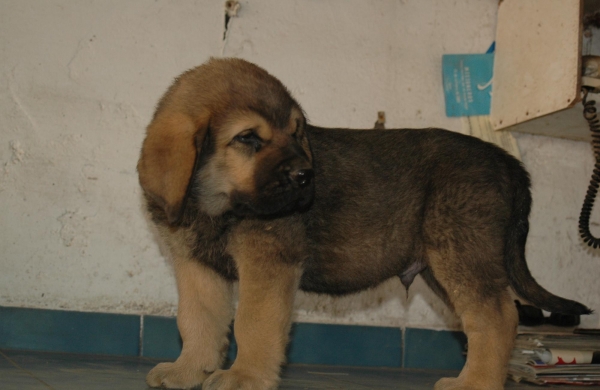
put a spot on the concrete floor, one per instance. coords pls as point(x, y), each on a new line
point(25, 370)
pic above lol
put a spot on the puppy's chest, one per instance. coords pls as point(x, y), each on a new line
point(208, 244)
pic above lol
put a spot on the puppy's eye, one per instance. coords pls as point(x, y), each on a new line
point(250, 138)
point(246, 137)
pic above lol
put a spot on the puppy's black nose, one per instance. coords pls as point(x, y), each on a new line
point(302, 177)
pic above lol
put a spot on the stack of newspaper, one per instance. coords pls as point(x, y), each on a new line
point(556, 358)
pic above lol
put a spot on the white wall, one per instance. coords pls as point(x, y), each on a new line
point(78, 84)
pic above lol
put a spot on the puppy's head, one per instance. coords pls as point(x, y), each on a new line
point(230, 133)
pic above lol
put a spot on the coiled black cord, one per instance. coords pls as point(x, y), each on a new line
point(591, 116)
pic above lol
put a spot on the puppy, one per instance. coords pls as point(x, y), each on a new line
point(242, 189)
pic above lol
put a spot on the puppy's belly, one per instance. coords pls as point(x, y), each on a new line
point(346, 276)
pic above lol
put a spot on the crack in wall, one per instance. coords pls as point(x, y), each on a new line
point(17, 100)
point(231, 9)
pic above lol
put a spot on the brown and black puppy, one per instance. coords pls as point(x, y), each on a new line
point(242, 189)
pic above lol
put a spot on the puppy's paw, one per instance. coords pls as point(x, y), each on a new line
point(175, 376)
point(459, 384)
point(234, 379)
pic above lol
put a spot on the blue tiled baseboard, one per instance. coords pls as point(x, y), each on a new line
point(157, 337)
point(346, 345)
point(444, 349)
point(69, 331)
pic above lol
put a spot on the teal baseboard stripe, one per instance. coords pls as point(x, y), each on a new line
point(68, 331)
point(325, 344)
point(160, 338)
point(345, 345)
point(431, 349)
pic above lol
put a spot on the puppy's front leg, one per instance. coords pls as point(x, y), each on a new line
point(203, 317)
point(267, 285)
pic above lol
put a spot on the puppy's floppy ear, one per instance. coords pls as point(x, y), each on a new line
point(167, 160)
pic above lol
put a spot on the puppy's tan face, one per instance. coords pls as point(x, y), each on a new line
point(254, 167)
point(229, 136)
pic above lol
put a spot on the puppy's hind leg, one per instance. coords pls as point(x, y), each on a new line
point(203, 317)
point(489, 320)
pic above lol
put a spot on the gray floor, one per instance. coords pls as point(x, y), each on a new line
point(24, 370)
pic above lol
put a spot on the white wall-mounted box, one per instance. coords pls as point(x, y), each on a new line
point(537, 68)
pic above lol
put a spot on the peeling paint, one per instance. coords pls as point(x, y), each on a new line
point(82, 57)
point(17, 152)
point(74, 229)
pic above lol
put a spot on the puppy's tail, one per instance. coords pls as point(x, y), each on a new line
point(519, 276)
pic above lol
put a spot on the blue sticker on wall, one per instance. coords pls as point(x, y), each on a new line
point(468, 83)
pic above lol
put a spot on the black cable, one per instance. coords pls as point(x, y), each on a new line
point(591, 116)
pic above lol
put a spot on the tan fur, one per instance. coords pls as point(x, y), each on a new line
point(204, 314)
point(267, 288)
point(231, 169)
point(167, 160)
point(489, 323)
